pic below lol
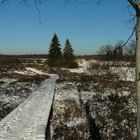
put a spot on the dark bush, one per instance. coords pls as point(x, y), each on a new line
point(7, 60)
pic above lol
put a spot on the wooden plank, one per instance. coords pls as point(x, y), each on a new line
point(29, 120)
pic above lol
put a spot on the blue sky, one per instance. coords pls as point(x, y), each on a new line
point(88, 26)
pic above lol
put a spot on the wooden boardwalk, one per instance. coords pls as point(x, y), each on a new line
point(29, 120)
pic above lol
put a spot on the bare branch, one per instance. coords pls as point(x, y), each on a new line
point(98, 2)
point(81, 2)
point(24, 3)
point(133, 3)
point(77, 1)
point(2, 2)
point(133, 31)
point(37, 8)
point(37, 3)
point(136, 6)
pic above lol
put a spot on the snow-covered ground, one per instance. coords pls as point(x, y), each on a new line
point(83, 66)
point(79, 104)
point(29, 71)
point(35, 71)
point(121, 69)
point(113, 110)
point(124, 73)
point(13, 92)
point(112, 103)
point(69, 118)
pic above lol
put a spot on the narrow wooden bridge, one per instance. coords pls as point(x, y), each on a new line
point(29, 120)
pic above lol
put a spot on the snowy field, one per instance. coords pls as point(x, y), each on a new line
point(122, 69)
point(69, 118)
point(98, 96)
point(112, 113)
point(108, 106)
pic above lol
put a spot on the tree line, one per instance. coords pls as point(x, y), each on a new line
point(117, 52)
point(57, 58)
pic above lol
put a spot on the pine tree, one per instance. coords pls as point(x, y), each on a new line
point(54, 54)
point(68, 54)
point(68, 51)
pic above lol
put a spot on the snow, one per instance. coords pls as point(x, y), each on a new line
point(78, 70)
point(28, 120)
point(114, 110)
point(107, 105)
point(25, 72)
point(21, 72)
point(6, 81)
point(14, 93)
point(124, 73)
point(35, 71)
point(83, 66)
point(69, 118)
point(87, 95)
point(75, 122)
point(68, 92)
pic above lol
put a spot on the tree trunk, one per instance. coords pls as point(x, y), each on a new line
point(136, 6)
point(138, 75)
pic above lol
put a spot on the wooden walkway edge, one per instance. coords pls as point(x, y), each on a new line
point(29, 120)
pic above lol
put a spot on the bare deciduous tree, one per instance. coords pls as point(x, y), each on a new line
point(136, 5)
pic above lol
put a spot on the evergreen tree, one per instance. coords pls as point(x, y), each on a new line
point(68, 51)
point(68, 54)
point(54, 54)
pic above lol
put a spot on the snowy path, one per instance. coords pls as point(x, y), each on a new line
point(28, 121)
